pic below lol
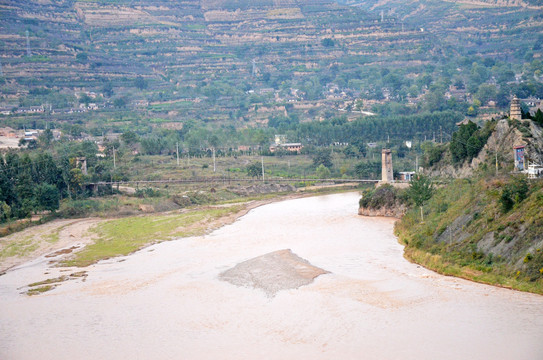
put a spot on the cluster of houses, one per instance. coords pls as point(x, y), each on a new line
point(10, 137)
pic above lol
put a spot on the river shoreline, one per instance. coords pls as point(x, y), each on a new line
point(168, 301)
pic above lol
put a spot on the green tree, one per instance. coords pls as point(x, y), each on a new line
point(214, 141)
point(486, 93)
point(140, 83)
point(153, 145)
point(47, 197)
point(45, 138)
point(254, 170)
point(84, 99)
point(75, 181)
point(323, 157)
point(45, 170)
point(473, 146)
point(513, 193)
point(327, 42)
point(421, 189)
point(129, 137)
point(538, 117)
point(351, 151)
point(81, 57)
point(472, 111)
point(322, 172)
point(368, 169)
point(459, 143)
point(107, 89)
point(5, 211)
point(432, 153)
point(120, 102)
point(261, 138)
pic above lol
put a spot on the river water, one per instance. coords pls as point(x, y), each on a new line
point(167, 301)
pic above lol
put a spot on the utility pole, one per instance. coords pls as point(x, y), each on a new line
point(214, 166)
point(262, 160)
point(177, 152)
point(441, 135)
point(496, 156)
point(114, 165)
point(27, 45)
point(417, 163)
point(496, 162)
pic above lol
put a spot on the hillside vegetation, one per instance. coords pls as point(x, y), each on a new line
point(486, 227)
point(163, 68)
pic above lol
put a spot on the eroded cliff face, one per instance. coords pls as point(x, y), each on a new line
point(505, 136)
point(395, 212)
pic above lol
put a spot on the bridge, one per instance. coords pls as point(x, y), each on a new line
point(387, 177)
point(225, 180)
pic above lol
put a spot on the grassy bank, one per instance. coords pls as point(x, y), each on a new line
point(123, 236)
point(481, 230)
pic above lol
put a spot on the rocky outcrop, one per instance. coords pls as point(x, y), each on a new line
point(396, 211)
point(385, 200)
point(503, 138)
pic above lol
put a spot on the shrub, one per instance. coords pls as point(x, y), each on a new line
point(79, 208)
point(147, 192)
point(384, 196)
point(514, 193)
point(192, 198)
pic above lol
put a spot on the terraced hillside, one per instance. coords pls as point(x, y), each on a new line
point(501, 29)
point(237, 62)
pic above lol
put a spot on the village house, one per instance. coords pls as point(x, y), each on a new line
point(290, 147)
point(406, 175)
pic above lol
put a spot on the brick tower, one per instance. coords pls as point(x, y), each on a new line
point(387, 173)
point(515, 112)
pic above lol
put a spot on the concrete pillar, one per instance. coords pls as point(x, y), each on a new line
point(387, 175)
point(82, 161)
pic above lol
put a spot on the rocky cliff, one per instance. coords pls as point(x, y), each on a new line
point(507, 134)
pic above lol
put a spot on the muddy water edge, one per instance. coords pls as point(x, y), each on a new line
point(168, 301)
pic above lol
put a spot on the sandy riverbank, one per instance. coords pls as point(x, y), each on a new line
point(62, 237)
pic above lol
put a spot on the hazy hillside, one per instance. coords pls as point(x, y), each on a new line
point(241, 63)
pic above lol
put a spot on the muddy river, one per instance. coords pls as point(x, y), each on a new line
point(168, 301)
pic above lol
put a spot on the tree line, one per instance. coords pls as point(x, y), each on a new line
point(36, 179)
